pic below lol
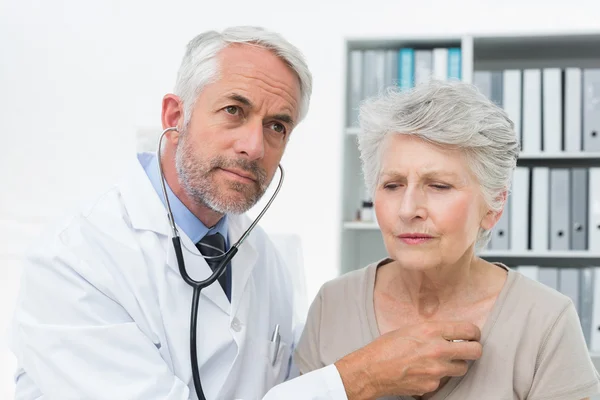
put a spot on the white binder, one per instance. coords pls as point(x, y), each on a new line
point(530, 271)
point(552, 110)
point(573, 110)
point(519, 210)
point(511, 102)
point(595, 331)
point(586, 302)
point(391, 68)
point(594, 246)
point(594, 211)
point(532, 111)
point(423, 66)
point(483, 81)
point(540, 214)
point(500, 238)
point(591, 109)
point(440, 63)
point(373, 79)
point(355, 80)
point(560, 209)
point(568, 281)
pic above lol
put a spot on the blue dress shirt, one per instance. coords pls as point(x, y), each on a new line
point(186, 220)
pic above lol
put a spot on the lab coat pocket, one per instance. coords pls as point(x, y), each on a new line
point(277, 359)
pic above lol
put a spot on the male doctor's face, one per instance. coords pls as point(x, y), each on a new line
point(229, 152)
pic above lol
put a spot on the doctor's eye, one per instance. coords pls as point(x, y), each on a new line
point(279, 128)
point(232, 110)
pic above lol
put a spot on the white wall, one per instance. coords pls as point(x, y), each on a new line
point(77, 78)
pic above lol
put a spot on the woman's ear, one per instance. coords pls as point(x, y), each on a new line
point(490, 219)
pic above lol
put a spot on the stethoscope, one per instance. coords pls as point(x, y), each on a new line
point(217, 272)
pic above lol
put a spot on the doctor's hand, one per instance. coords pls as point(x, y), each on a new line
point(410, 361)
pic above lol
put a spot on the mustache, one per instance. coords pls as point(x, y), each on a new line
point(248, 166)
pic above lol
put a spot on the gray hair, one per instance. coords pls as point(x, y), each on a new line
point(199, 66)
point(447, 113)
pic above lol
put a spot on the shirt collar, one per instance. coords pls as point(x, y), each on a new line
point(184, 218)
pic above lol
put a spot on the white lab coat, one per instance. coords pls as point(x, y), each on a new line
point(103, 312)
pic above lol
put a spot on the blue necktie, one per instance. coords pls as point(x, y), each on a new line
point(211, 246)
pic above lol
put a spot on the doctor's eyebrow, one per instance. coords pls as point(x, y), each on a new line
point(241, 99)
point(286, 118)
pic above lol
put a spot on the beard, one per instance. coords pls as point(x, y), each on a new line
point(197, 177)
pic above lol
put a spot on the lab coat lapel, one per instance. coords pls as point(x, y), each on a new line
point(146, 211)
point(244, 261)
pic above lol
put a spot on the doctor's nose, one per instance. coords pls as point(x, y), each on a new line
point(250, 143)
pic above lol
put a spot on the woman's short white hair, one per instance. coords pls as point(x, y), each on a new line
point(447, 113)
point(199, 66)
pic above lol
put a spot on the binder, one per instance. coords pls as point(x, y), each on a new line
point(569, 285)
point(519, 210)
point(483, 81)
point(440, 63)
point(373, 72)
point(391, 68)
point(532, 111)
point(530, 271)
point(594, 333)
point(579, 231)
point(512, 100)
point(406, 68)
point(540, 214)
point(559, 222)
point(496, 95)
point(579, 208)
point(573, 110)
point(500, 235)
point(356, 95)
point(594, 211)
point(586, 302)
point(560, 206)
point(423, 66)
point(591, 107)
point(490, 85)
point(594, 246)
point(552, 110)
point(549, 277)
point(454, 63)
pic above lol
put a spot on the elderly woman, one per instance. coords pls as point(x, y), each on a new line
point(438, 160)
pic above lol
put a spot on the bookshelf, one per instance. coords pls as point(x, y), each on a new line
point(478, 53)
point(361, 242)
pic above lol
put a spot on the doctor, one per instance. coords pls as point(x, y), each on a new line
point(103, 312)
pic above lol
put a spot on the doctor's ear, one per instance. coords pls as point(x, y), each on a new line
point(172, 115)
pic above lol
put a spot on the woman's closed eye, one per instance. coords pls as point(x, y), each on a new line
point(437, 186)
point(440, 186)
point(391, 186)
